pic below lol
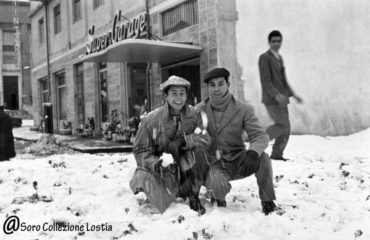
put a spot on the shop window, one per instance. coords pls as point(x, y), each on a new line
point(103, 91)
point(44, 93)
point(97, 3)
point(179, 17)
point(44, 90)
point(41, 30)
point(76, 10)
point(61, 96)
point(57, 19)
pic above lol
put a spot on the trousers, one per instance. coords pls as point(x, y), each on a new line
point(280, 130)
point(222, 172)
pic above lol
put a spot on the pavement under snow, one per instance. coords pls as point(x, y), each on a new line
point(323, 193)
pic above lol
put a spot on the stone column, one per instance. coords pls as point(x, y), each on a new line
point(227, 17)
point(217, 21)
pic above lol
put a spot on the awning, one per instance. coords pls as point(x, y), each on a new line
point(143, 50)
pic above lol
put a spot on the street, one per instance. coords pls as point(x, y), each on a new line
point(323, 193)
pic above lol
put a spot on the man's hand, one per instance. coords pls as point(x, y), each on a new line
point(176, 145)
point(159, 168)
point(281, 99)
point(248, 165)
point(298, 99)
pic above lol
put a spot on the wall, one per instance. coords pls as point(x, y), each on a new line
point(327, 55)
point(215, 33)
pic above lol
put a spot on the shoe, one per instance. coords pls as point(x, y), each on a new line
point(268, 207)
point(279, 158)
point(195, 205)
point(220, 203)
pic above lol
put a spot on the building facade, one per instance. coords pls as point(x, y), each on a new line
point(15, 77)
point(81, 89)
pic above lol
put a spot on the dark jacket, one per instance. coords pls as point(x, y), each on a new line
point(157, 130)
point(228, 138)
point(6, 137)
point(273, 78)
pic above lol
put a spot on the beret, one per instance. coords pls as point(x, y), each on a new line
point(215, 73)
point(174, 81)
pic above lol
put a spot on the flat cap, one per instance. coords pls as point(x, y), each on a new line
point(174, 81)
point(215, 73)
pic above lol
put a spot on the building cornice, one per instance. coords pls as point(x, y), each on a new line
point(36, 10)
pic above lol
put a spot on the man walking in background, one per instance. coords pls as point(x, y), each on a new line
point(275, 94)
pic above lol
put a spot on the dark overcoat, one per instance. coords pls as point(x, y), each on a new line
point(6, 137)
point(273, 78)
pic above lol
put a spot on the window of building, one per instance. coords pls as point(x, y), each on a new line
point(61, 95)
point(41, 30)
point(57, 19)
point(44, 90)
point(181, 16)
point(8, 46)
point(97, 3)
point(76, 10)
point(44, 93)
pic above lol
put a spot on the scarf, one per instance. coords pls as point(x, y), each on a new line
point(220, 103)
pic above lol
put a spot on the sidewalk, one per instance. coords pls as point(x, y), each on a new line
point(77, 143)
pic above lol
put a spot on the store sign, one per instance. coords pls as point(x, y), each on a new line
point(134, 28)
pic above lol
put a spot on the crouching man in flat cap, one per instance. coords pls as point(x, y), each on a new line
point(171, 150)
point(228, 118)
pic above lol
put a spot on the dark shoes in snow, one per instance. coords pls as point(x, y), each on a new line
point(279, 158)
point(220, 203)
point(195, 205)
point(268, 207)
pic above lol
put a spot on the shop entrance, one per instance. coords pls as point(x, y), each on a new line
point(11, 97)
point(138, 90)
point(190, 70)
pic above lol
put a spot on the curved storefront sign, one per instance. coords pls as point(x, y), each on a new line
point(134, 28)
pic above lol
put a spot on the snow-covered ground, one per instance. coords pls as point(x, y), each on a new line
point(27, 123)
point(323, 192)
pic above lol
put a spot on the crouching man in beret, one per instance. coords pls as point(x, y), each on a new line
point(171, 150)
point(228, 118)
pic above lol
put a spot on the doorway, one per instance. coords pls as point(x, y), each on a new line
point(11, 96)
point(138, 92)
point(190, 70)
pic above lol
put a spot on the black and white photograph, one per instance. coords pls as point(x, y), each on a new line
point(184, 119)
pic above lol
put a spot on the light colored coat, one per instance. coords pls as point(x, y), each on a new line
point(228, 137)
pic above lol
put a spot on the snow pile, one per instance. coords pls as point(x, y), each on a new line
point(323, 193)
point(47, 145)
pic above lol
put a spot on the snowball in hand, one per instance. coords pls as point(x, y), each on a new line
point(167, 159)
point(197, 131)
